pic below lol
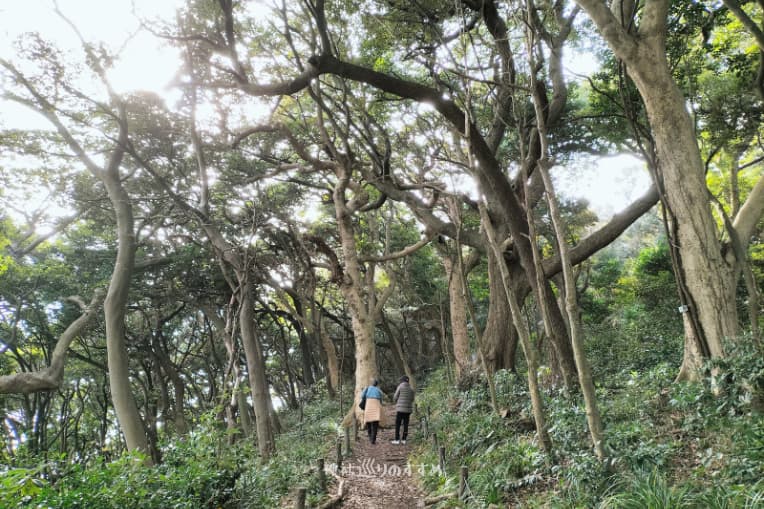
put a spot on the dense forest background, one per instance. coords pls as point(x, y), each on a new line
point(195, 287)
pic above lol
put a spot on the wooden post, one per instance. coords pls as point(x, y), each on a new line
point(442, 457)
point(425, 433)
point(339, 456)
point(347, 441)
point(434, 441)
point(321, 475)
point(462, 482)
point(301, 492)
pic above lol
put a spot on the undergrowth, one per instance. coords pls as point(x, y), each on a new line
point(689, 445)
point(200, 470)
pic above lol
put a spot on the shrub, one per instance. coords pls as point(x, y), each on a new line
point(649, 491)
point(200, 470)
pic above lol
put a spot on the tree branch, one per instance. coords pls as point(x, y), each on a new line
point(624, 44)
point(747, 22)
point(750, 213)
point(51, 377)
point(605, 235)
point(429, 234)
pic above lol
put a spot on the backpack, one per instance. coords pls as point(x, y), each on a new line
point(362, 404)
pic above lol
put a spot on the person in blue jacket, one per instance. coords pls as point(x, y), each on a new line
point(372, 413)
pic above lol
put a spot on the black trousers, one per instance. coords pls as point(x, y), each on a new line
point(402, 418)
point(372, 428)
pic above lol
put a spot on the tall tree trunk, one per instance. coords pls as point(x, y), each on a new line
point(706, 274)
point(460, 269)
point(571, 306)
point(305, 350)
point(559, 337)
point(179, 387)
point(363, 325)
point(705, 278)
point(332, 361)
point(224, 331)
point(115, 309)
point(255, 368)
point(555, 326)
point(457, 314)
point(571, 297)
point(291, 385)
point(315, 325)
point(530, 351)
point(179, 416)
point(398, 349)
point(115, 304)
point(498, 327)
point(275, 422)
point(243, 405)
point(352, 288)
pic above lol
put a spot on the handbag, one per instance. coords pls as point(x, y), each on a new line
point(362, 404)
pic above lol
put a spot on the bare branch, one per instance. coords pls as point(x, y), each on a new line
point(429, 234)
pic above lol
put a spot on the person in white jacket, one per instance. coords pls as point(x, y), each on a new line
point(404, 405)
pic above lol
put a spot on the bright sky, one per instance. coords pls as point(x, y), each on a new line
point(608, 183)
point(144, 64)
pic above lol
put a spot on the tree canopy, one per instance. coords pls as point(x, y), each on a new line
point(332, 192)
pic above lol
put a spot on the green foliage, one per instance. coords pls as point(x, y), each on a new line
point(652, 275)
point(650, 491)
point(199, 470)
point(19, 485)
point(312, 433)
point(630, 311)
point(668, 444)
point(498, 460)
point(598, 302)
point(5, 260)
point(728, 405)
point(731, 496)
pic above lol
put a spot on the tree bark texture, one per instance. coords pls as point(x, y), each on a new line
point(362, 321)
point(255, 369)
point(529, 349)
point(457, 315)
point(709, 278)
point(498, 327)
point(115, 309)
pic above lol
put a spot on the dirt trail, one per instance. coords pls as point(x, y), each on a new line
point(378, 476)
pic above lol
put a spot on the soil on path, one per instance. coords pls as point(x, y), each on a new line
point(378, 475)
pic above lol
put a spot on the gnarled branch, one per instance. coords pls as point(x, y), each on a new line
point(51, 377)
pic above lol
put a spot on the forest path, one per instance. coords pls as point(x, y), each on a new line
point(378, 475)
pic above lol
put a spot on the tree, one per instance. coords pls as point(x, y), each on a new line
point(231, 256)
point(51, 377)
point(706, 268)
point(109, 174)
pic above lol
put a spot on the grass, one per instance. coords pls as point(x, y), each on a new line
point(671, 445)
